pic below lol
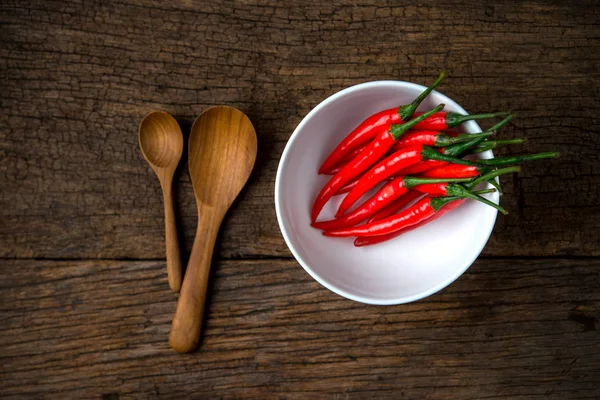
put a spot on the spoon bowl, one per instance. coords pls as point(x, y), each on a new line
point(161, 140)
point(222, 151)
point(161, 143)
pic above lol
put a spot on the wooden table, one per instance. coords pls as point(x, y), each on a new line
point(85, 308)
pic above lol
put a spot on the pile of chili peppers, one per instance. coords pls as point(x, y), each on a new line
point(415, 161)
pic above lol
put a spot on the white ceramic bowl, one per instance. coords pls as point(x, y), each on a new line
point(407, 268)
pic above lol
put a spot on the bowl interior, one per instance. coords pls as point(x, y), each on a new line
point(407, 268)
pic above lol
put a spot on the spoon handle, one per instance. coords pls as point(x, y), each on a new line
point(173, 255)
point(187, 322)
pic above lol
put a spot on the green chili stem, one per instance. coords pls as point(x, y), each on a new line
point(454, 119)
point(480, 149)
point(484, 191)
point(491, 175)
point(500, 124)
point(487, 202)
point(430, 154)
point(459, 148)
point(398, 130)
point(406, 111)
point(439, 202)
point(517, 159)
point(445, 140)
point(496, 185)
point(509, 141)
point(457, 190)
point(492, 144)
point(411, 181)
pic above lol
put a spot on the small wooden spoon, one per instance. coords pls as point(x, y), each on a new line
point(161, 142)
point(222, 151)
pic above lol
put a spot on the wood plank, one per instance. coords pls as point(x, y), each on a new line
point(515, 328)
point(77, 78)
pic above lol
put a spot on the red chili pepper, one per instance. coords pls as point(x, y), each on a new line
point(424, 137)
point(361, 135)
point(347, 158)
point(437, 139)
point(420, 211)
point(416, 213)
point(396, 162)
point(350, 156)
point(374, 125)
point(349, 186)
point(434, 190)
point(396, 206)
point(384, 196)
point(453, 150)
point(392, 165)
point(452, 189)
point(364, 241)
point(422, 167)
point(453, 170)
point(444, 120)
point(372, 153)
point(459, 171)
point(370, 240)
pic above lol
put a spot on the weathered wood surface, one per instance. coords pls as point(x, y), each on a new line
point(98, 329)
point(77, 77)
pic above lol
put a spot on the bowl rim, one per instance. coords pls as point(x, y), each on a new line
point(286, 236)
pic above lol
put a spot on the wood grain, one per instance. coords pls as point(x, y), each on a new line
point(94, 329)
point(69, 68)
point(77, 77)
point(222, 152)
point(161, 144)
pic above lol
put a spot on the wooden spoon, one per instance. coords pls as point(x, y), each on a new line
point(161, 142)
point(222, 151)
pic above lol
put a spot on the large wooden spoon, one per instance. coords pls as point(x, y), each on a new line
point(161, 142)
point(222, 151)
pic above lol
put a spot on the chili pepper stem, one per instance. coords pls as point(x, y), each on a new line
point(443, 140)
point(457, 190)
point(471, 137)
point(496, 185)
point(454, 119)
point(487, 202)
point(492, 144)
point(484, 191)
point(500, 124)
point(406, 111)
point(398, 130)
point(518, 159)
point(411, 181)
point(460, 148)
point(439, 202)
point(509, 141)
point(430, 154)
point(481, 149)
point(491, 175)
